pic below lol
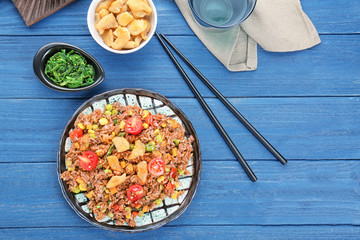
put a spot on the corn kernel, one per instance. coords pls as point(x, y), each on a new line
point(68, 163)
point(158, 201)
point(174, 152)
point(159, 138)
point(145, 113)
point(70, 169)
point(95, 126)
point(91, 131)
point(107, 113)
point(99, 152)
point(79, 180)
point(92, 135)
point(88, 126)
point(141, 213)
point(76, 189)
point(107, 191)
point(156, 132)
point(114, 112)
point(158, 154)
point(109, 107)
point(160, 179)
point(83, 187)
point(163, 125)
point(123, 164)
point(174, 195)
point(89, 194)
point(145, 125)
point(152, 142)
point(81, 126)
point(161, 187)
point(112, 135)
point(110, 214)
point(122, 125)
point(176, 184)
point(103, 121)
point(77, 145)
point(128, 209)
point(128, 215)
point(131, 113)
point(145, 208)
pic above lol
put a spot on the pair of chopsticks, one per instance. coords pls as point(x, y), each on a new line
point(209, 112)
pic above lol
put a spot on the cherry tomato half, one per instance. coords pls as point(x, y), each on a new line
point(134, 125)
point(149, 119)
point(169, 186)
point(77, 132)
point(135, 192)
point(156, 167)
point(88, 160)
point(173, 173)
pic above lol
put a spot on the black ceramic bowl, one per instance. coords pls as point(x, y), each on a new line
point(48, 50)
point(170, 208)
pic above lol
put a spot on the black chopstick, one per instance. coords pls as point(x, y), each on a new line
point(237, 114)
point(211, 115)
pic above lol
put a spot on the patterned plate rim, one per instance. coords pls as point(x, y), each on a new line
point(189, 129)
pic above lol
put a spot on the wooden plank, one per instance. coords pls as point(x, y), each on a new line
point(328, 16)
point(191, 232)
point(34, 11)
point(320, 71)
point(300, 128)
point(300, 193)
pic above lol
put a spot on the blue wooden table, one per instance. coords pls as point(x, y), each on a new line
point(307, 104)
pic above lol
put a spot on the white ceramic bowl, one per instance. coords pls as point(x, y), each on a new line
point(95, 34)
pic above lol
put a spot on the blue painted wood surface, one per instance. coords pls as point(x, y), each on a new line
point(307, 104)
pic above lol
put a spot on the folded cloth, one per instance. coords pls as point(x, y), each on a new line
point(276, 25)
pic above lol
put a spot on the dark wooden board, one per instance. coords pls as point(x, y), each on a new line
point(35, 10)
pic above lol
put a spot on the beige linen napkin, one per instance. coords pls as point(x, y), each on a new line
point(276, 25)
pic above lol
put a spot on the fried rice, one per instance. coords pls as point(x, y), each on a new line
point(173, 147)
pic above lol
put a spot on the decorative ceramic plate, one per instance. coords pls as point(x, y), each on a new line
point(170, 209)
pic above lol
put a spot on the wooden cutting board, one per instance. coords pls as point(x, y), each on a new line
point(33, 11)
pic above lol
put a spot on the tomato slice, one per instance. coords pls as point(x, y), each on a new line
point(77, 132)
point(88, 160)
point(173, 173)
point(156, 167)
point(149, 119)
point(134, 125)
point(135, 192)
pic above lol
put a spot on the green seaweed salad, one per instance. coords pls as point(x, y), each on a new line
point(69, 69)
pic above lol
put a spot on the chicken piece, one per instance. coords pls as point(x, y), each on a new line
point(123, 36)
point(124, 19)
point(116, 6)
point(138, 151)
point(107, 22)
point(142, 171)
point(103, 13)
point(137, 26)
point(108, 37)
point(139, 5)
point(116, 181)
point(103, 5)
point(114, 163)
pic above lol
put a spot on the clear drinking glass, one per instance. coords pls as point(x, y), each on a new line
point(221, 13)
